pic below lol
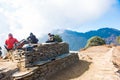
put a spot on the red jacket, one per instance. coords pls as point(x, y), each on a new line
point(10, 42)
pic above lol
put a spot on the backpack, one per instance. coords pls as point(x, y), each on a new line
point(20, 44)
point(32, 39)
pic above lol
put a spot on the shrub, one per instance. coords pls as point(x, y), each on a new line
point(58, 38)
point(95, 41)
point(118, 39)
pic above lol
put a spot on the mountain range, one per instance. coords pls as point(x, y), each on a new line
point(78, 40)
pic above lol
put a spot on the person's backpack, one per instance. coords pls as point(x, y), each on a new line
point(34, 39)
point(20, 44)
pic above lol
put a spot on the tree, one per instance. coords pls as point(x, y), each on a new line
point(58, 38)
point(95, 41)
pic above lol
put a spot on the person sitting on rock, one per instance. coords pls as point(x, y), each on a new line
point(32, 39)
point(51, 38)
point(10, 42)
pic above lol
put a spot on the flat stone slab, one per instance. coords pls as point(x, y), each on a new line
point(41, 62)
point(20, 74)
point(74, 51)
point(49, 60)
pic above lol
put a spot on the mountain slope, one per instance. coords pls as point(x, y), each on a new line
point(103, 32)
point(78, 40)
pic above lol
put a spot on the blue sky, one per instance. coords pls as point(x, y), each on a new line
point(21, 17)
point(109, 19)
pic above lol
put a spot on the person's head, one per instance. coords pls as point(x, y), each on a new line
point(10, 35)
point(49, 34)
point(31, 34)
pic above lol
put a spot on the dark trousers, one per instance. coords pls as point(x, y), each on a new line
point(7, 48)
point(0, 53)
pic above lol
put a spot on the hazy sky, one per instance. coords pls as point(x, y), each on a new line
point(21, 17)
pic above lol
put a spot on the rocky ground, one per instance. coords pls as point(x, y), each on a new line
point(95, 64)
point(7, 68)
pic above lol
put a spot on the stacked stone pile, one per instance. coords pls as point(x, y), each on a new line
point(43, 72)
point(42, 52)
point(44, 60)
point(48, 50)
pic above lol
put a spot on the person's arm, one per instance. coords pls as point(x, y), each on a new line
point(6, 42)
point(6, 45)
point(16, 41)
point(29, 38)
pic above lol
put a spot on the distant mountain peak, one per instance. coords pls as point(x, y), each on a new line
point(107, 29)
point(77, 40)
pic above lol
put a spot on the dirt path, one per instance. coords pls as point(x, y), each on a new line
point(99, 68)
point(105, 70)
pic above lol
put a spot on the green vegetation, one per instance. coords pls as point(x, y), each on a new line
point(58, 38)
point(118, 39)
point(95, 41)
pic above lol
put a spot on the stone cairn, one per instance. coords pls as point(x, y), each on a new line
point(42, 60)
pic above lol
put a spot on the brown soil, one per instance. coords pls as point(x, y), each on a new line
point(94, 64)
point(6, 65)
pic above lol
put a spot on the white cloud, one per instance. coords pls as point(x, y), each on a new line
point(42, 16)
